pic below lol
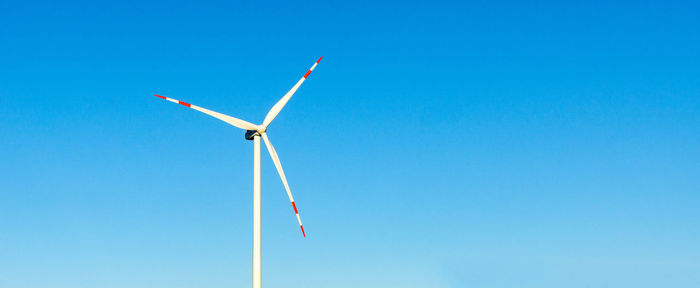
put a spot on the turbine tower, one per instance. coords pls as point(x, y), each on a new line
point(254, 132)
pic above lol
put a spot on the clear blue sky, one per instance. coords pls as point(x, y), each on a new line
point(450, 144)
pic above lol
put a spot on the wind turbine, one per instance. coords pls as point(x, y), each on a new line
point(254, 132)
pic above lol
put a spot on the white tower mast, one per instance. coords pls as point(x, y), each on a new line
point(256, 212)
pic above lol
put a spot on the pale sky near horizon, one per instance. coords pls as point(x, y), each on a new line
point(438, 144)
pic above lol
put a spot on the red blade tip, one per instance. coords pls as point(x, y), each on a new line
point(162, 97)
point(319, 59)
point(302, 231)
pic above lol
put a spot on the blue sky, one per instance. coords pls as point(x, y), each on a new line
point(438, 144)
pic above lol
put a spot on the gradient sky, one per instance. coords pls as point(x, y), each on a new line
point(438, 144)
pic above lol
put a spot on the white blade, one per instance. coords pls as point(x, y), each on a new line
point(228, 119)
point(280, 104)
point(278, 165)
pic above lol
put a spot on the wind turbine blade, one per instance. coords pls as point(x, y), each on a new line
point(280, 104)
point(228, 119)
point(278, 165)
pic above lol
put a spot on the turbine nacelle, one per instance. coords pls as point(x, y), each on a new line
point(250, 134)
